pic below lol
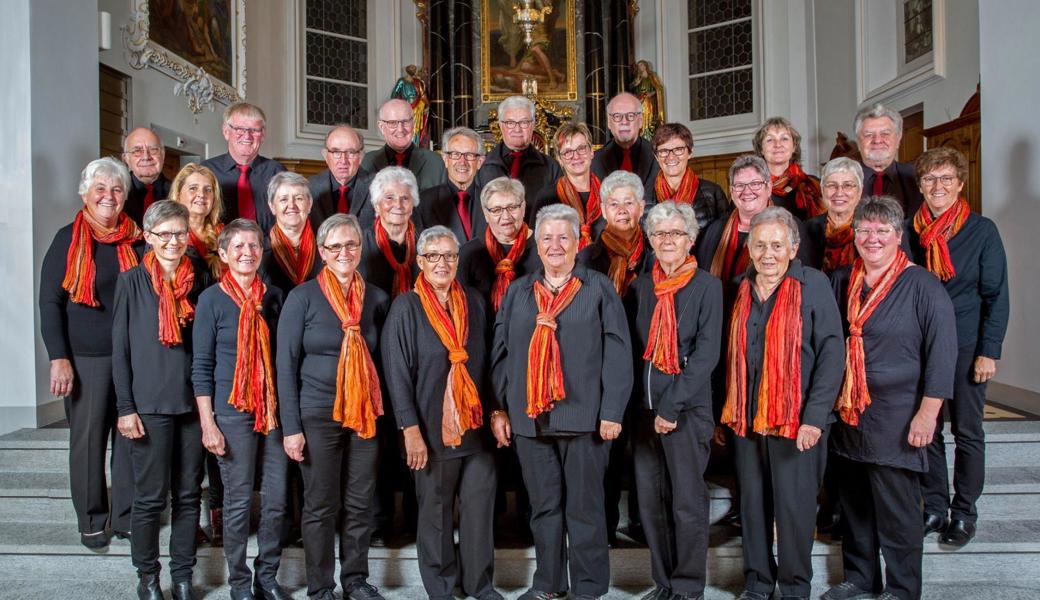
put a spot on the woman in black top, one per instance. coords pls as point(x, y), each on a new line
point(337, 452)
point(233, 377)
point(388, 252)
point(780, 145)
point(151, 369)
point(290, 252)
point(77, 289)
point(831, 232)
point(976, 279)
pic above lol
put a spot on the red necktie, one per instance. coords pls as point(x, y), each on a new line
point(879, 183)
point(514, 167)
point(463, 208)
point(246, 206)
point(149, 196)
point(343, 206)
point(626, 160)
point(399, 157)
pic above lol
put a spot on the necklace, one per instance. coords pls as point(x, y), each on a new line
point(555, 288)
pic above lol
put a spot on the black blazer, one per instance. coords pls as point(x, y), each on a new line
point(261, 170)
point(325, 193)
point(900, 182)
point(608, 159)
point(134, 206)
point(537, 170)
point(439, 206)
point(427, 166)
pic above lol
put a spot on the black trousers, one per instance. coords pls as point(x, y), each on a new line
point(882, 511)
point(393, 477)
point(91, 411)
point(620, 468)
point(564, 478)
point(674, 498)
point(969, 456)
point(470, 479)
point(778, 483)
point(216, 486)
point(339, 473)
point(167, 462)
point(248, 454)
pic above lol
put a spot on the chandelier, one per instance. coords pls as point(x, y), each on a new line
point(527, 17)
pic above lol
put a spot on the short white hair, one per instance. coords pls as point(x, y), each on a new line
point(558, 212)
point(437, 232)
point(842, 164)
point(389, 175)
point(621, 179)
point(106, 168)
point(516, 102)
point(878, 111)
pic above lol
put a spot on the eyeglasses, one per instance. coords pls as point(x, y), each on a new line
point(139, 151)
point(498, 210)
point(338, 154)
point(456, 155)
point(243, 131)
point(403, 123)
point(669, 236)
point(337, 248)
point(522, 124)
point(166, 236)
point(847, 187)
point(664, 153)
point(618, 117)
point(582, 150)
point(754, 186)
point(947, 180)
point(880, 232)
point(435, 257)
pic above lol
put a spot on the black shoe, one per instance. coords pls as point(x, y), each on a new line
point(934, 523)
point(749, 595)
point(491, 595)
point(362, 590)
point(94, 541)
point(687, 597)
point(586, 597)
point(241, 594)
point(845, 590)
point(958, 533)
point(327, 594)
point(658, 593)
point(533, 594)
point(123, 535)
point(148, 587)
point(273, 592)
point(182, 591)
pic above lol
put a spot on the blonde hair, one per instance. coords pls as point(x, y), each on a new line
point(211, 224)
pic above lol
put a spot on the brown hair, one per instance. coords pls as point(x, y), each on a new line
point(778, 123)
point(568, 130)
point(942, 156)
point(669, 131)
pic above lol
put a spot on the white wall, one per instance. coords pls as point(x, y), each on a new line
point(1011, 170)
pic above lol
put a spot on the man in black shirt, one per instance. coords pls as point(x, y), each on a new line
point(396, 125)
point(343, 187)
point(627, 150)
point(144, 153)
point(456, 204)
point(879, 130)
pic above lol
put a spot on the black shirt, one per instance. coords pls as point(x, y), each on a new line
point(608, 159)
point(272, 273)
point(537, 170)
point(325, 194)
point(477, 269)
point(376, 269)
point(548, 196)
point(596, 257)
point(439, 206)
point(790, 202)
point(900, 182)
point(261, 170)
point(710, 202)
point(134, 206)
point(309, 339)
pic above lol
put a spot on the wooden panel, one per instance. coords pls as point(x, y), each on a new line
point(113, 103)
point(912, 144)
point(964, 134)
point(111, 144)
point(114, 96)
point(303, 166)
point(715, 168)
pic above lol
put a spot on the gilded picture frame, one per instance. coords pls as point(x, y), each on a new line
point(506, 59)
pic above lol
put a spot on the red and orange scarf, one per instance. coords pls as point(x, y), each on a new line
point(854, 397)
point(662, 345)
point(402, 270)
point(505, 264)
point(544, 366)
point(807, 194)
point(175, 310)
point(780, 391)
point(686, 193)
point(569, 195)
point(359, 400)
point(206, 248)
point(624, 250)
point(936, 233)
point(296, 263)
point(461, 410)
point(730, 256)
point(80, 270)
point(252, 389)
point(838, 247)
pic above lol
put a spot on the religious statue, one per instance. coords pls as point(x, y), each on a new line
point(412, 89)
point(647, 87)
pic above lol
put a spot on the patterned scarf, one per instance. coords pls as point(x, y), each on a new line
point(624, 250)
point(544, 366)
point(807, 194)
point(175, 310)
point(662, 342)
point(253, 388)
point(854, 397)
point(730, 257)
point(80, 270)
point(402, 270)
point(505, 264)
point(297, 264)
point(936, 233)
point(780, 391)
point(838, 247)
point(461, 407)
point(569, 195)
point(686, 193)
point(358, 398)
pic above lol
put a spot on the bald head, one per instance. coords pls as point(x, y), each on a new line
point(395, 124)
point(143, 152)
point(620, 110)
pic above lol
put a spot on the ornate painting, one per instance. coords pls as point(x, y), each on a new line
point(506, 59)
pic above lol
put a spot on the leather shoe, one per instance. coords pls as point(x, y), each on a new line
point(94, 541)
point(959, 533)
point(245, 594)
point(658, 593)
point(362, 590)
point(274, 592)
point(148, 587)
point(934, 523)
point(182, 591)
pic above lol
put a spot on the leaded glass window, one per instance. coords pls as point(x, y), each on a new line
point(721, 58)
point(336, 62)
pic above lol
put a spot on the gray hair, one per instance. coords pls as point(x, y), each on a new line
point(884, 209)
point(516, 102)
point(776, 214)
point(103, 168)
point(391, 175)
point(621, 179)
point(246, 111)
point(465, 132)
point(842, 164)
point(558, 212)
point(437, 232)
point(163, 211)
point(335, 222)
point(668, 210)
point(878, 111)
point(286, 178)
point(749, 161)
point(502, 185)
point(236, 227)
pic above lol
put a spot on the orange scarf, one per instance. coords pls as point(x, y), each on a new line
point(730, 257)
point(253, 387)
point(206, 248)
point(624, 250)
point(544, 367)
point(461, 410)
point(662, 340)
point(358, 398)
point(569, 195)
point(936, 233)
point(505, 264)
point(854, 397)
point(80, 271)
point(402, 270)
point(686, 193)
point(175, 311)
point(297, 264)
point(838, 247)
point(807, 194)
point(780, 391)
